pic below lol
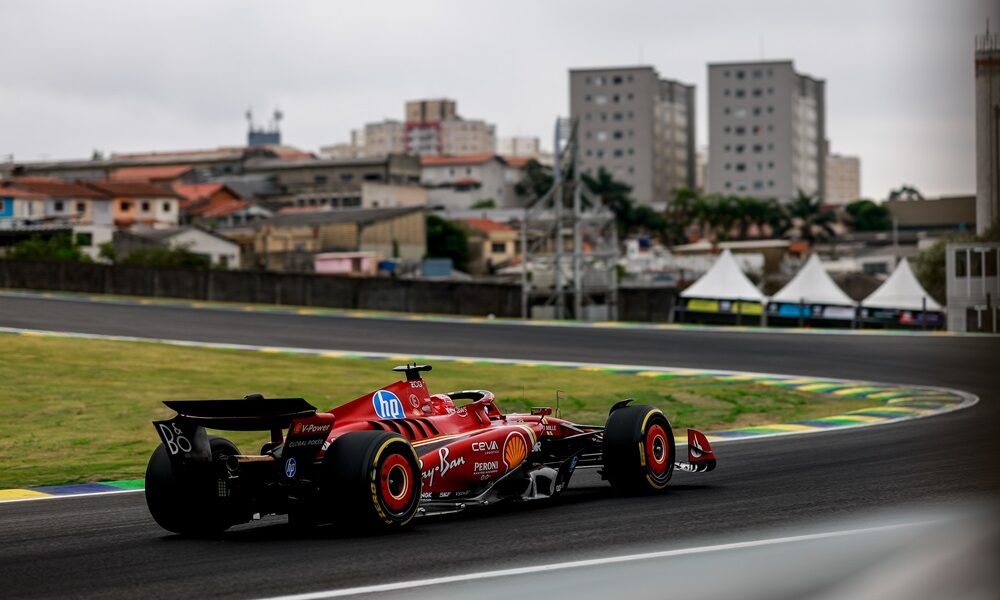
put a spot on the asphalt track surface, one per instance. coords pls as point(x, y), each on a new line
point(108, 546)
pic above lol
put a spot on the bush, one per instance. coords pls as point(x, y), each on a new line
point(58, 248)
point(447, 240)
point(158, 256)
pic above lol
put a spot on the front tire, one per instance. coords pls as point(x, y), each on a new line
point(188, 501)
point(638, 450)
point(371, 481)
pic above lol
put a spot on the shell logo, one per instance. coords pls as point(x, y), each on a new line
point(515, 450)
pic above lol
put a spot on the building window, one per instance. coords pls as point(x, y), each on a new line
point(740, 74)
point(166, 207)
point(125, 206)
point(739, 148)
point(602, 136)
point(617, 135)
point(757, 73)
point(741, 130)
point(58, 206)
point(81, 207)
point(741, 167)
point(600, 100)
point(757, 92)
point(347, 178)
point(498, 247)
point(617, 116)
point(740, 93)
point(616, 98)
point(319, 179)
point(725, 73)
point(352, 201)
point(725, 92)
point(725, 111)
point(617, 80)
point(145, 207)
point(618, 153)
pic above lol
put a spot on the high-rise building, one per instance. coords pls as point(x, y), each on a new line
point(431, 128)
point(843, 179)
point(638, 127)
point(519, 145)
point(987, 130)
point(766, 130)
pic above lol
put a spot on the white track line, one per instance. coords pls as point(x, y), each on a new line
point(577, 564)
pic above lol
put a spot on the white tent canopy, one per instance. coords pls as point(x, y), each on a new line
point(901, 291)
point(724, 281)
point(813, 285)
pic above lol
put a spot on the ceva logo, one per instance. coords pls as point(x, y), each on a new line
point(387, 405)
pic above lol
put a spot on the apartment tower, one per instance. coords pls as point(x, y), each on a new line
point(766, 130)
point(638, 127)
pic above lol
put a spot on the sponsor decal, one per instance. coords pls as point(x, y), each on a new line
point(417, 384)
point(515, 450)
point(291, 467)
point(572, 463)
point(305, 443)
point(309, 428)
point(387, 405)
point(489, 447)
point(444, 465)
point(414, 401)
point(491, 466)
point(174, 439)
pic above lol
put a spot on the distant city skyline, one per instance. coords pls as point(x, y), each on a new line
point(125, 77)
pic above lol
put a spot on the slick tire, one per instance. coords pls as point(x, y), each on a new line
point(638, 450)
point(371, 481)
point(188, 501)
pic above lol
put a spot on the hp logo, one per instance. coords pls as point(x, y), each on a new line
point(290, 468)
point(387, 405)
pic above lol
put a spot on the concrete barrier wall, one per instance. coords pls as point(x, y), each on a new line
point(445, 297)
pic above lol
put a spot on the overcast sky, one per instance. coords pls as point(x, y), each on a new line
point(133, 76)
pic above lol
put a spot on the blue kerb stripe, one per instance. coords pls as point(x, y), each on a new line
point(78, 488)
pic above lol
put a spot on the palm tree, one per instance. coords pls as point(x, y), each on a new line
point(807, 219)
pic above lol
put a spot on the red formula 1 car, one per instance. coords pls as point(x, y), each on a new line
point(393, 454)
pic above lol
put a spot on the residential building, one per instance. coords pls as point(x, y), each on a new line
point(19, 207)
point(220, 251)
point(519, 145)
point(430, 128)
point(289, 241)
point(638, 127)
point(206, 164)
point(158, 174)
point(138, 203)
point(65, 201)
point(987, 130)
point(461, 182)
point(334, 183)
point(216, 205)
point(491, 245)
point(843, 179)
point(766, 130)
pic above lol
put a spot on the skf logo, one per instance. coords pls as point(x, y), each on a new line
point(515, 450)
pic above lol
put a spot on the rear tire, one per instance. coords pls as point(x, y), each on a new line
point(188, 501)
point(371, 481)
point(638, 450)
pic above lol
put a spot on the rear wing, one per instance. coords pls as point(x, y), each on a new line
point(184, 435)
point(252, 413)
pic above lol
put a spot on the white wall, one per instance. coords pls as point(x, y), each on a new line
point(219, 251)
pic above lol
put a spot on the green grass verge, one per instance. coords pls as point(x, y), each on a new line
point(76, 411)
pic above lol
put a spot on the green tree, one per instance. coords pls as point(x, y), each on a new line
point(905, 192)
point(488, 203)
point(536, 179)
point(445, 239)
point(865, 215)
point(616, 196)
point(58, 248)
point(930, 265)
point(160, 256)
